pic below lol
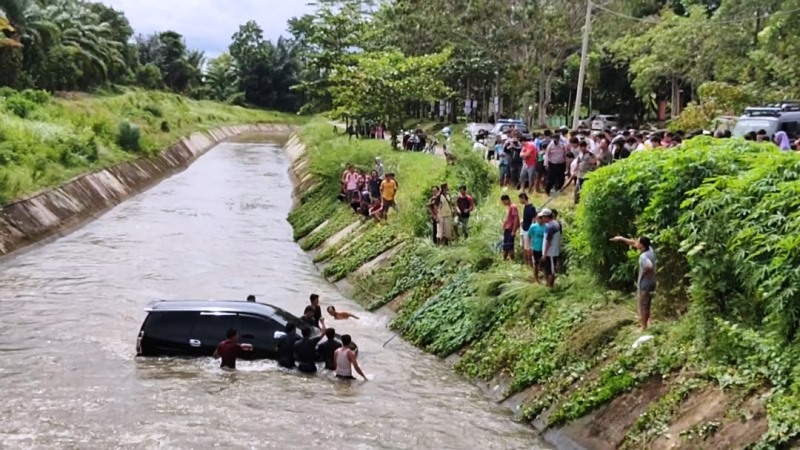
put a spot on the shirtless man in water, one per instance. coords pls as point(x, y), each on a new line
point(340, 315)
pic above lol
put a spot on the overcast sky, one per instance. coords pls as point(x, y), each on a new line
point(208, 24)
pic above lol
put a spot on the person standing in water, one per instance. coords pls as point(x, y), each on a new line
point(230, 349)
point(251, 298)
point(328, 348)
point(345, 360)
point(340, 315)
point(286, 346)
point(314, 299)
point(305, 350)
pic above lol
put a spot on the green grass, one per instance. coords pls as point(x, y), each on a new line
point(46, 141)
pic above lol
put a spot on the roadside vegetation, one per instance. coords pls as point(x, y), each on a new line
point(45, 141)
point(726, 311)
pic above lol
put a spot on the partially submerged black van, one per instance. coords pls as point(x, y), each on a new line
point(196, 327)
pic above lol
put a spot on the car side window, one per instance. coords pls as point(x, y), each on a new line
point(211, 328)
point(258, 330)
point(791, 128)
point(169, 325)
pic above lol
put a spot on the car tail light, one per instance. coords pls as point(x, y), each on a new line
point(139, 343)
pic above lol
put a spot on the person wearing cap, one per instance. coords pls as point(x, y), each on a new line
point(551, 247)
point(465, 204)
point(510, 227)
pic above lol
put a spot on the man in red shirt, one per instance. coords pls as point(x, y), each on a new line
point(529, 157)
point(510, 227)
point(230, 349)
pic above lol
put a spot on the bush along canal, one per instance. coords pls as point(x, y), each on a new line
point(722, 369)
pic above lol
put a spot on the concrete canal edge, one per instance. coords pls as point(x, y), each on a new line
point(57, 211)
point(567, 438)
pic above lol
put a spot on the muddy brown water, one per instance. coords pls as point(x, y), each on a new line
point(71, 310)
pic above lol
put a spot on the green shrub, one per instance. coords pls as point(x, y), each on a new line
point(742, 239)
point(129, 137)
point(154, 110)
point(36, 96)
point(20, 106)
point(643, 195)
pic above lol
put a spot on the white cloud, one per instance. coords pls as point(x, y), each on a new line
point(209, 24)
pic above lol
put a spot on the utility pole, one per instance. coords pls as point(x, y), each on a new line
point(587, 30)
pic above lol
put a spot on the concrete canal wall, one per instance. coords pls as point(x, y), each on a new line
point(57, 211)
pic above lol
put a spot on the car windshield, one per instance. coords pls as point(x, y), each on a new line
point(751, 124)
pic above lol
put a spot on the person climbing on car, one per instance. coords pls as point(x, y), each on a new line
point(230, 349)
point(305, 350)
point(286, 346)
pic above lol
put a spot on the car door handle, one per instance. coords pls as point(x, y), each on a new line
point(195, 342)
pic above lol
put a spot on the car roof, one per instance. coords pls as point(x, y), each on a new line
point(234, 306)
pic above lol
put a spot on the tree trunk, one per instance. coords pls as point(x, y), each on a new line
point(544, 97)
point(675, 100)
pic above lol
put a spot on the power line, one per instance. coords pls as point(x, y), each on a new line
point(710, 22)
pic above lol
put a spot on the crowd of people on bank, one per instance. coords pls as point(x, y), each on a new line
point(369, 194)
point(315, 343)
point(547, 163)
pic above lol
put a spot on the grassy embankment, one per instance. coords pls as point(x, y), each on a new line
point(722, 370)
point(45, 141)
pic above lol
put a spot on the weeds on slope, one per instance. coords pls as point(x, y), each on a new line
point(45, 141)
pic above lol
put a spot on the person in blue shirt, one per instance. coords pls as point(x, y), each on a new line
point(536, 235)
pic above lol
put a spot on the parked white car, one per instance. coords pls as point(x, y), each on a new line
point(471, 130)
point(603, 121)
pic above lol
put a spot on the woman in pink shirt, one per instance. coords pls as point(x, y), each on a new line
point(351, 183)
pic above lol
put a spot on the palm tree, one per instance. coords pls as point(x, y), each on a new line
point(28, 18)
point(222, 78)
point(81, 29)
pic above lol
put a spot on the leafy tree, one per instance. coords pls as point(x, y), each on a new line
point(380, 85)
point(325, 40)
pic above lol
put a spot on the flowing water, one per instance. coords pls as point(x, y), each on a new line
point(71, 311)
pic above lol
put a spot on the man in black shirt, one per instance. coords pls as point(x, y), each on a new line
point(528, 216)
point(327, 348)
point(317, 310)
point(286, 346)
point(308, 317)
point(305, 350)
